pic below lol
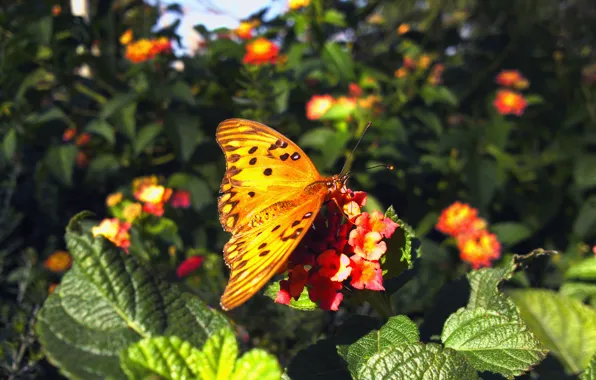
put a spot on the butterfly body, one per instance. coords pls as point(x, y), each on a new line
point(270, 195)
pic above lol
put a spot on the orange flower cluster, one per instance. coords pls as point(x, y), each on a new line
point(318, 105)
point(476, 245)
point(145, 49)
point(115, 231)
point(245, 29)
point(411, 65)
point(297, 4)
point(58, 262)
point(261, 51)
point(336, 253)
point(508, 101)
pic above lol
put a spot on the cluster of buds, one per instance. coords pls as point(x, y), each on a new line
point(476, 245)
point(338, 252)
point(420, 65)
point(82, 141)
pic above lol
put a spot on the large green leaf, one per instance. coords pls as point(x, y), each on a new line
point(484, 292)
point(398, 330)
point(219, 355)
point(9, 143)
point(492, 341)
point(145, 137)
point(109, 301)
point(584, 172)
point(257, 364)
point(102, 128)
point(168, 357)
point(417, 361)
point(564, 325)
point(511, 233)
point(584, 270)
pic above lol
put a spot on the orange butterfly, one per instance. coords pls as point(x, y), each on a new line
point(270, 195)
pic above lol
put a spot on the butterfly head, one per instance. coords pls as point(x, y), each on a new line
point(337, 183)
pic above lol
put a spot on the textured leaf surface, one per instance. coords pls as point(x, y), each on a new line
point(257, 364)
point(484, 291)
point(492, 341)
point(167, 357)
point(590, 372)
point(397, 331)
point(107, 302)
point(417, 361)
point(584, 270)
point(565, 326)
point(219, 355)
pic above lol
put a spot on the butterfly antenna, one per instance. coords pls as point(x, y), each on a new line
point(355, 146)
point(386, 166)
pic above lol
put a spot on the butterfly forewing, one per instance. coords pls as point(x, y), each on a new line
point(262, 166)
point(268, 202)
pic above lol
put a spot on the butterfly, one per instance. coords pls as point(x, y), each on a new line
point(270, 195)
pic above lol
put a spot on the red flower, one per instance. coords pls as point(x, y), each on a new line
point(189, 265)
point(367, 244)
point(180, 199)
point(156, 209)
point(377, 222)
point(509, 102)
point(69, 134)
point(512, 78)
point(83, 139)
point(333, 265)
point(261, 51)
point(479, 248)
point(318, 105)
point(354, 90)
point(325, 292)
point(366, 274)
point(459, 218)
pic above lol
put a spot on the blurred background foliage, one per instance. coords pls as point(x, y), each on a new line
point(423, 72)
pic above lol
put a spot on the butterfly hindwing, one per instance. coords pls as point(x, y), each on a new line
point(261, 165)
point(257, 255)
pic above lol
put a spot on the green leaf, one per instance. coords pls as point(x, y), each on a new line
point(218, 355)
point(168, 357)
point(492, 341)
point(107, 302)
point(334, 17)
point(302, 303)
point(438, 94)
point(145, 137)
point(581, 291)
point(430, 120)
point(102, 167)
point(334, 56)
point(60, 160)
point(481, 178)
point(584, 226)
point(398, 330)
point(417, 361)
point(564, 325)
point(118, 102)
point(484, 289)
point(257, 364)
point(181, 91)
point(584, 172)
point(590, 372)
point(511, 233)
point(584, 270)
point(165, 228)
point(338, 111)
point(402, 247)
point(184, 133)
point(9, 143)
point(102, 128)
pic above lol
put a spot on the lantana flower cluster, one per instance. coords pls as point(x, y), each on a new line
point(412, 65)
point(338, 252)
point(144, 49)
point(81, 140)
point(261, 51)
point(476, 244)
point(318, 105)
point(509, 101)
point(149, 198)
